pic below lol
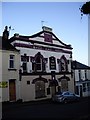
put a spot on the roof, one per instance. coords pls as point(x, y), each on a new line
point(6, 45)
point(78, 65)
point(26, 38)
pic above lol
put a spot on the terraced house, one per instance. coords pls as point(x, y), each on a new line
point(45, 65)
point(9, 72)
point(82, 78)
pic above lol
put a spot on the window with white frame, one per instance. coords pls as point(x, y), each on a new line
point(84, 87)
point(63, 64)
point(79, 73)
point(24, 59)
point(85, 74)
point(11, 61)
point(38, 64)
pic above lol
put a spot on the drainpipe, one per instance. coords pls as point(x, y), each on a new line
point(20, 77)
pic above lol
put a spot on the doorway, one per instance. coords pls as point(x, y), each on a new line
point(12, 90)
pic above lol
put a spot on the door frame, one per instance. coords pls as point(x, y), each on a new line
point(12, 81)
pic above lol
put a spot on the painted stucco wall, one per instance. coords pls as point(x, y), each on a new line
point(9, 74)
point(82, 74)
point(46, 54)
point(28, 91)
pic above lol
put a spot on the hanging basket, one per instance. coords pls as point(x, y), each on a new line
point(85, 9)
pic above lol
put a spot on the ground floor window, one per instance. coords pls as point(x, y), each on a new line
point(88, 86)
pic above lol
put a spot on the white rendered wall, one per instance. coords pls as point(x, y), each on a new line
point(6, 74)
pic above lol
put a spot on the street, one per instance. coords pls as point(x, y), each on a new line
point(47, 109)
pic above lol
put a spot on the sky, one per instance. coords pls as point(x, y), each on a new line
point(63, 17)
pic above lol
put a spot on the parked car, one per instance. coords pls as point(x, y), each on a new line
point(65, 97)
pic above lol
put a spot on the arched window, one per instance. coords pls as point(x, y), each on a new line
point(63, 65)
point(38, 63)
point(39, 86)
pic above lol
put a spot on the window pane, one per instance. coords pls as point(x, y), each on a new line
point(11, 61)
point(38, 60)
point(24, 66)
point(11, 56)
point(63, 65)
point(38, 66)
point(84, 87)
point(11, 64)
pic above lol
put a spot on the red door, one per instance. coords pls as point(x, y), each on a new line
point(12, 90)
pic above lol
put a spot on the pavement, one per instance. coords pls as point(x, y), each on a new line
point(45, 101)
point(19, 103)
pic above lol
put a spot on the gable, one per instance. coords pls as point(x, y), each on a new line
point(43, 37)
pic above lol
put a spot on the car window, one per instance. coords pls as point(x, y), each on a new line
point(66, 93)
point(72, 94)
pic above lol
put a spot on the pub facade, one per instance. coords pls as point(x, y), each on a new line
point(45, 65)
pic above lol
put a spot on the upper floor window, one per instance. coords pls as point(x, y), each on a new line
point(24, 59)
point(11, 61)
point(79, 72)
point(38, 63)
point(47, 37)
point(63, 64)
point(52, 61)
point(85, 74)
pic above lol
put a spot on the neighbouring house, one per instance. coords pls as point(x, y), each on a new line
point(45, 65)
point(9, 67)
point(82, 78)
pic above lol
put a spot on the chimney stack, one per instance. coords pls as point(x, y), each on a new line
point(5, 33)
point(47, 29)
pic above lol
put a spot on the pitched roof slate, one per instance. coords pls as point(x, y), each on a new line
point(78, 65)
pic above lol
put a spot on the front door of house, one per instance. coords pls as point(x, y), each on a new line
point(12, 90)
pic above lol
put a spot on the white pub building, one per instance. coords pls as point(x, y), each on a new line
point(45, 65)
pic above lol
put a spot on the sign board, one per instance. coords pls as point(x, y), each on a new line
point(3, 84)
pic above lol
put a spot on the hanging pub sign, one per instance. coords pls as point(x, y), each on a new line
point(3, 84)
